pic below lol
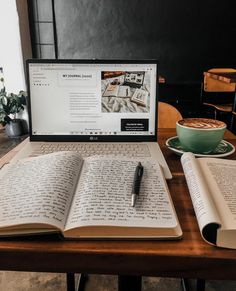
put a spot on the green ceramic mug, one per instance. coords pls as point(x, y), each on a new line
point(200, 135)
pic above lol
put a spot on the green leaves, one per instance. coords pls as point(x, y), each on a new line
point(10, 105)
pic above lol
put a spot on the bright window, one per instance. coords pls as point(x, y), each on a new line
point(11, 49)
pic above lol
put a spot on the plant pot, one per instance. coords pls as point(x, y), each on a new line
point(14, 128)
point(24, 117)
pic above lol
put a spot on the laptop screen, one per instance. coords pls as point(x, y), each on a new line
point(92, 100)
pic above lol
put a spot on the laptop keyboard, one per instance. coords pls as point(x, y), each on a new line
point(88, 149)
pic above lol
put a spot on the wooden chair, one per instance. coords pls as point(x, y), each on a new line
point(217, 94)
point(168, 115)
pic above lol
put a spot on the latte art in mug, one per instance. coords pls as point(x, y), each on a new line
point(203, 123)
point(200, 135)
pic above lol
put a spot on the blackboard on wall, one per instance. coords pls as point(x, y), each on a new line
point(187, 37)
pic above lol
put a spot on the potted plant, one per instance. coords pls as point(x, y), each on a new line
point(10, 105)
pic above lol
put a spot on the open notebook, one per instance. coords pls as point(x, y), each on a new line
point(94, 107)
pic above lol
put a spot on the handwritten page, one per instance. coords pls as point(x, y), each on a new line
point(103, 195)
point(38, 190)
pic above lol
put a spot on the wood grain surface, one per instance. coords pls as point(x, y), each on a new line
point(227, 77)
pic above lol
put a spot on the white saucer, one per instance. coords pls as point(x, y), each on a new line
point(224, 149)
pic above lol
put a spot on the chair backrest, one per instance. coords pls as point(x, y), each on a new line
point(168, 115)
point(212, 85)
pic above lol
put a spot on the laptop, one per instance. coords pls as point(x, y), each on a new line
point(93, 107)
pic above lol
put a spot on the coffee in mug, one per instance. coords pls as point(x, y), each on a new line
point(200, 135)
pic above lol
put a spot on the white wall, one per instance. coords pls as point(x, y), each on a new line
point(15, 43)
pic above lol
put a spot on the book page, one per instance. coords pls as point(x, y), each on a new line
point(206, 212)
point(38, 190)
point(223, 187)
point(140, 97)
point(111, 90)
point(124, 91)
point(103, 196)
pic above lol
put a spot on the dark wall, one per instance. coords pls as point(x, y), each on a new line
point(186, 36)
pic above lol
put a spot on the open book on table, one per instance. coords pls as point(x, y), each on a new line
point(117, 91)
point(85, 198)
point(212, 187)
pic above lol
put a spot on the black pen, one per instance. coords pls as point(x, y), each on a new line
point(136, 183)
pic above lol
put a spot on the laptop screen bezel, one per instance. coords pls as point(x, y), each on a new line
point(91, 138)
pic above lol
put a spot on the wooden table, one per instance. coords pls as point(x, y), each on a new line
point(189, 257)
